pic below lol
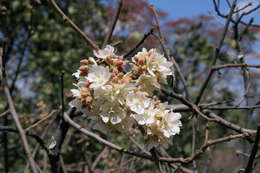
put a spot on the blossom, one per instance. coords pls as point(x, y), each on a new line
point(75, 93)
point(76, 74)
point(148, 117)
point(99, 76)
point(137, 102)
point(171, 123)
point(157, 65)
point(140, 55)
point(114, 93)
point(103, 53)
point(148, 83)
point(113, 112)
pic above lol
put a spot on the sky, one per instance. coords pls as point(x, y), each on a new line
point(188, 8)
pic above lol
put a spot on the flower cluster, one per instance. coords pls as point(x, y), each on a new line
point(115, 93)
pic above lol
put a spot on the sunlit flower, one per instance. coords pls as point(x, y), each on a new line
point(137, 102)
point(140, 56)
point(75, 93)
point(171, 123)
point(157, 65)
point(76, 74)
point(98, 77)
point(112, 112)
point(103, 53)
point(148, 83)
point(148, 117)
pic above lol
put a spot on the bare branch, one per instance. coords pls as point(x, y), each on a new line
point(113, 22)
point(138, 44)
point(166, 51)
point(20, 129)
point(54, 112)
point(254, 151)
point(67, 20)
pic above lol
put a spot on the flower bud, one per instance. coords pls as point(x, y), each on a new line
point(83, 74)
point(88, 99)
point(109, 60)
point(87, 83)
point(84, 61)
point(119, 63)
point(136, 58)
point(83, 68)
point(149, 53)
point(115, 70)
point(144, 68)
point(141, 61)
point(121, 57)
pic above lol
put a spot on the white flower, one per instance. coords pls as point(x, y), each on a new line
point(148, 117)
point(98, 77)
point(137, 102)
point(113, 112)
point(157, 65)
point(76, 74)
point(75, 93)
point(148, 83)
point(106, 52)
point(171, 123)
point(140, 55)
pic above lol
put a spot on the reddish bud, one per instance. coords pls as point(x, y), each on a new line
point(87, 83)
point(136, 58)
point(149, 53)
point(119, 63)
point(140, 72)
point(115, 70)
point(141, 61)
point(84, 61)
point(83, 73)
point(144, 68)
point(109, 60)
point(83, 68)
point(88, 99)
point(121, 57)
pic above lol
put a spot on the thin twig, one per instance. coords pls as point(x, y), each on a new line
point(4, 113)
point(139, 44)
point(20, 129)
point(218, 67)
point(233, 21)
point(253, 152)
point(36, 137)
point(42, 120)
point(113, 22)
point(62, 92)
point(103, 141)
point(26, 170)
point(205, 146)
point(121, 162)
point(67, 20)
point(221, 41)
point(166, 51)
point(98, 158)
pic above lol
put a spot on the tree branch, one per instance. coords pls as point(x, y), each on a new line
point(20, 129)
point(253, 152)
point(113, 22)
point(67, 20)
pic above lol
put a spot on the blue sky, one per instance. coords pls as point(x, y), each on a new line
point(189, 8)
